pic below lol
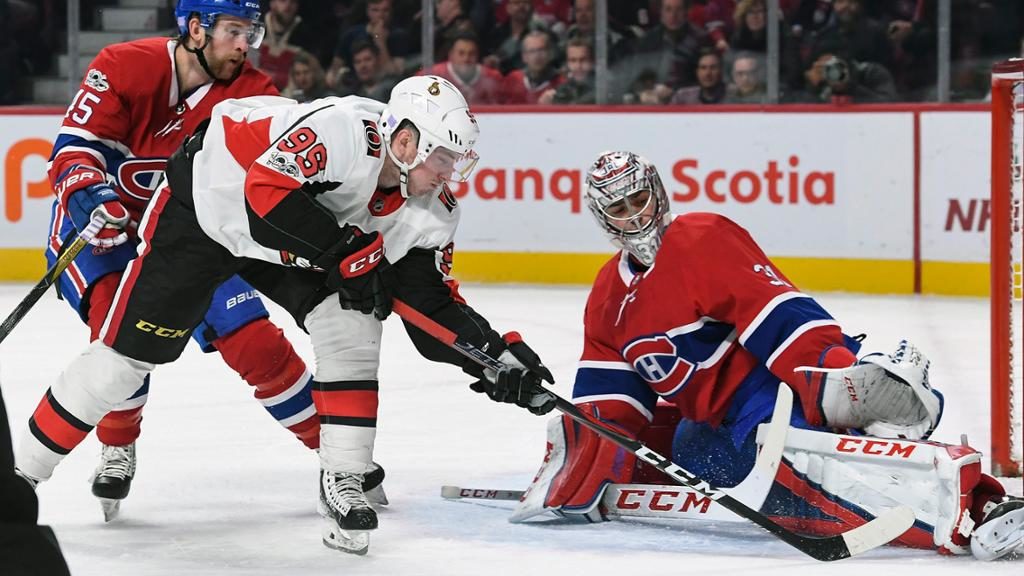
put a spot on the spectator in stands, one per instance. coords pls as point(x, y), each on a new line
point(286, 34)
point(619, 37)
point(578, 87)
point(525, 85)
point(306, 80)
point(710, 88)
point(554, 14)
point(393, 43)
point(750, 34)
point(853, 36)
point(10, 63)
point(504, 45)
point(367, 78)
point(747, 80)
point(478, 83)
point(670, 50)
point(716, 18)
point(452, 21)
point(831, 78)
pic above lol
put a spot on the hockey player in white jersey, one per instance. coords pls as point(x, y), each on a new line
point(330, 208)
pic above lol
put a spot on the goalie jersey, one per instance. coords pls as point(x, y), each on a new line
point(127, 128)
point(709, 324)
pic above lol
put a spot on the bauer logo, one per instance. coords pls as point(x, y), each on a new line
point(241, 298)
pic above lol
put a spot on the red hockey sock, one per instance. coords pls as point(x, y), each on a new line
point(120, 428)
point(265, 359)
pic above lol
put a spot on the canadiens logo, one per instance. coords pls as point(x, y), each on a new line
point(656, 360)
point(97, 80)
point(373, 141)
point(447, 198)
point(610, 168)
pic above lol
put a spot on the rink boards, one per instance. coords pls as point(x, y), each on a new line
point(877, 199)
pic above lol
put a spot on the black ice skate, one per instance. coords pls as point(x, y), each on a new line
point(347, 515)
point(113, 478)
point(373, 486)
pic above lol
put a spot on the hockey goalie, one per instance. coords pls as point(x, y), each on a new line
point(689, 332)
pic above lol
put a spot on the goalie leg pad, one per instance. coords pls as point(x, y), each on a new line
point(829, 483)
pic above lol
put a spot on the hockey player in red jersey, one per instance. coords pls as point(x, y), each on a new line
point(135, 106)
point(329, 208)
point(693, 313)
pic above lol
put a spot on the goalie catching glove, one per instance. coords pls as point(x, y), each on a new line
point(885, 395)
point(519, 382)
point(363, 277)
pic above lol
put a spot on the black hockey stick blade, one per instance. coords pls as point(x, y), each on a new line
point(877, 532)
point(50, 277)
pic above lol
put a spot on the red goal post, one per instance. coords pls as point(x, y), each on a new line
point(1007, 261)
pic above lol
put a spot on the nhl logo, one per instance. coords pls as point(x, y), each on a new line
point(378, 206)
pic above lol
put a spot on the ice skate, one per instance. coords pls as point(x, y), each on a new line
point(113, 478)
point(347, 516)
point(1002, 530)
point(373, 486)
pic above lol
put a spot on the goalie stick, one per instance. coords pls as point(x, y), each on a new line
point(51, 276)
point(679, 502)
point(877, 532)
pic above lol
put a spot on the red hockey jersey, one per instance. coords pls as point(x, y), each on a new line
point(128, 116)
point(711, 313)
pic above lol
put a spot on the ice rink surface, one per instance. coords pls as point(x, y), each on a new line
point(222, 489)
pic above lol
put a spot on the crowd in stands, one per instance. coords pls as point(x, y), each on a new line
point(659, 51)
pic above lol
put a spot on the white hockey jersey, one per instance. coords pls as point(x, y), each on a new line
point(257, 151)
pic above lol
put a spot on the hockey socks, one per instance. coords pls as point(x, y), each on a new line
point(265, 359)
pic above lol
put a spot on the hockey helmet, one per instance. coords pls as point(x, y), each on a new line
point(441, 115)
point(625, 194)
point(208, 10)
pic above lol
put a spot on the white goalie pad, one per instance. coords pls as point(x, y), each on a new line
point(870, 474)
point(672, 502)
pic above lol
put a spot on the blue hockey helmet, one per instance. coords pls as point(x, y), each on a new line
point(208, 11)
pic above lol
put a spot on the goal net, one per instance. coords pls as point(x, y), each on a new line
point(1006, 266)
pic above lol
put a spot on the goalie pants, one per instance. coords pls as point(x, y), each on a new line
point(235, 324)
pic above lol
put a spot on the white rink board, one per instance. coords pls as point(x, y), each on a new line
point(868, 156)
point(956, 186)
point(856, 166)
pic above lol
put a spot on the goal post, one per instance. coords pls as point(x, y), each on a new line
point(1007, 259)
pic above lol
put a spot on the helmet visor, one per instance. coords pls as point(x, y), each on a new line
point(232, 31)
point(451, 166)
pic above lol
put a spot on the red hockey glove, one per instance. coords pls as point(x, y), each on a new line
point(84, 193)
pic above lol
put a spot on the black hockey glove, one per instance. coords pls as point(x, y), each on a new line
point(519, 382)
point(363, 278)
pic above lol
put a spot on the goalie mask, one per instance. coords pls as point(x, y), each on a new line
point(447, 129)
point(625, 194)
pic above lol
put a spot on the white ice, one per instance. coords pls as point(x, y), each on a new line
point(222, 489)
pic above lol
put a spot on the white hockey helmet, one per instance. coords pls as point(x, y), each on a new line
point(441, 115)
point(616, 183)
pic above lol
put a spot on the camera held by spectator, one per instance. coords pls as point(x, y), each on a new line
point(834, 79)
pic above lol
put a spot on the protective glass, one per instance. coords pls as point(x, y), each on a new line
point(451, 166)
point(233, 31)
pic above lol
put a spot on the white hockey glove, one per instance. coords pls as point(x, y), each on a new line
point(883, 395)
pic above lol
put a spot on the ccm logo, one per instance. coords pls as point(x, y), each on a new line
point(357, 267)
point(875, 447)
point(478, 493)
point(662, 500)
point(160, 330)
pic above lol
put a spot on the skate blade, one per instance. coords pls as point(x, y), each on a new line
point(350, 541)
point(111, 508)
point(376, 496)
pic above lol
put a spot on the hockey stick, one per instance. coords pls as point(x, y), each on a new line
point(51, 276)
point(677, 502)
point(875, 533)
